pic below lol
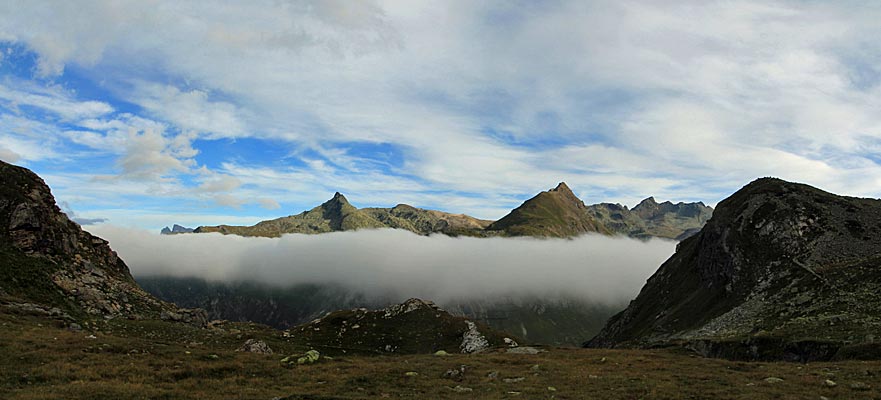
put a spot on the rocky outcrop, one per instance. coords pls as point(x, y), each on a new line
point(779, 263)
point(255, 346)
point(49, 259)
point(412, 327)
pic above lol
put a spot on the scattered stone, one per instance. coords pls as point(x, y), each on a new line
point(514, 380)
point(552, 389)
point(493, 375)
point(593, 377)
point(510, 342)
point(461, 389)
point(772, 379)
point(535, 368)
point(524, 350)
point(830, 383)
point(311, 357)
point(860, 386)
point(255, 346)
point(441, 353)
point(455, 374)
point(411, 374)
point(91, 337)
point(214, 357)
point(74, 327)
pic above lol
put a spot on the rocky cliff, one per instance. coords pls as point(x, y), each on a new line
point(781, 270)
point(47, 259)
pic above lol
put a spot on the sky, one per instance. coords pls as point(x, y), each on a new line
point(148, 113)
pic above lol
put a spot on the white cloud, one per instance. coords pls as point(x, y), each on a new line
point(268, 203)
point(9, 155)
point(149, 155)
point(223, 183)
point(53, 100)
point(190, 111)
point(597, 268)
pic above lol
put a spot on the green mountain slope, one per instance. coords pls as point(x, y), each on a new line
point(556, 212)
point(337, 214)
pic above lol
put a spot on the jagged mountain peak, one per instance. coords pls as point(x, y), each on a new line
point(561, 187)
point(338, 198)
point(556, 212)
point(648, 201)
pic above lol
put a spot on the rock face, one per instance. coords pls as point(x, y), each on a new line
point(554, 213)
point(47, 258)
point(781, 270)
point(413, 327)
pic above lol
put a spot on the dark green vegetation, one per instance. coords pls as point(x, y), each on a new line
point(553, 321)
point(782, 270)
point(554, 213)
point(413, 327)
point(129, 359)
point(279, 307)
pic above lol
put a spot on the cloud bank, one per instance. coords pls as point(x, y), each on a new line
point(399, 264)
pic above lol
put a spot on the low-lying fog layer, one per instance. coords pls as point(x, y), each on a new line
point(401, 264)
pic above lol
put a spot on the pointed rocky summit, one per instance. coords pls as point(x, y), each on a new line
point(556, 212)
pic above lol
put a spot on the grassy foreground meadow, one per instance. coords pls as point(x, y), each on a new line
point(41, 359)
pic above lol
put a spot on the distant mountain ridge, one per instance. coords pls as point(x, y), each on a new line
point(176, 229)
point(337, 214)
point(554, 213)
point(781, 270)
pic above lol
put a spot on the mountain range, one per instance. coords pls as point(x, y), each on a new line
point(782, 270)
point(557, 212)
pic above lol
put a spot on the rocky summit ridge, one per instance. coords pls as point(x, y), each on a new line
point(48, 261)
point(781, 270)
point(557, 212)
